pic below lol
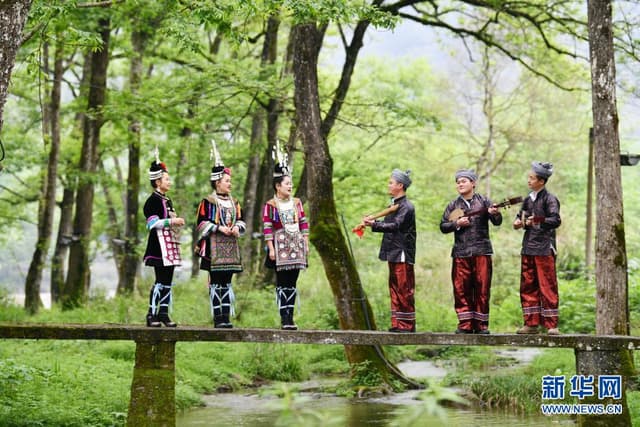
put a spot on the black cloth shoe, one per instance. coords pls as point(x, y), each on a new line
point(463, 331)
point(225, 322)
point(152, 321)
point(482, 332)
point(166, 321)
point(222, 321)
point(288, 323)
point(218, 322)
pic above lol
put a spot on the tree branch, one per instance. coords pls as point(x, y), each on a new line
point(16, 218)
point(487, 40)
point(541, 17)
point(18, 195)
point(99, 4)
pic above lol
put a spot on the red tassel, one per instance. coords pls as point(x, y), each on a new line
point(358, 231)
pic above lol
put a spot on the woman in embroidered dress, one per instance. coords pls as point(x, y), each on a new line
point(220, 224)
point(286, 233)
point(163, 245)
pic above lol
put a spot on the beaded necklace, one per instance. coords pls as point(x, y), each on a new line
point(229, 212)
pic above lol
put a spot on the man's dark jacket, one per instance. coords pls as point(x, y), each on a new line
point(399, 230)
point(474, 239)
point(540, 239)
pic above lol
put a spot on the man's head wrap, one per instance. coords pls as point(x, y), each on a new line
point(466, 173)
point(402, 177)
point(542, 169)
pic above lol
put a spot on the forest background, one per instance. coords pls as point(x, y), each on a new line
point(203, 75)
point(201, 80)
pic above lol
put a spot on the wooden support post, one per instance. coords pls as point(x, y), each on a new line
point(604, 362)
point(153, 401)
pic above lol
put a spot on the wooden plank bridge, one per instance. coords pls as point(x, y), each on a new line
point(152, 400)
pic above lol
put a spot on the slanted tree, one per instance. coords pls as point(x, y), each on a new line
point(326, 235)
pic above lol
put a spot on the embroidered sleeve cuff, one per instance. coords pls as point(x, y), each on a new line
point(242, 226)
point(154, 222)
point(205, 228)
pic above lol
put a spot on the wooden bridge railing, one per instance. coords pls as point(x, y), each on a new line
point(152, 400)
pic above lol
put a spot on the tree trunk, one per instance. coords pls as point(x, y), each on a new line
point(51, 132)
point(326, 236)
point(13, 15)
point(78, 277)
point(65, 228)
point(113, 229)
point(612, 310)
point(188, 203)
point(181, 200)
point(611, 256)
point(131, 261)
point(253, 197)
point(486, 163)
point(351, 56)
point(32, 300)
point(251, 201)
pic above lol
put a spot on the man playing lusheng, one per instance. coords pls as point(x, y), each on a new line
point(539, 216)
point(471, 267)
point(399, 250)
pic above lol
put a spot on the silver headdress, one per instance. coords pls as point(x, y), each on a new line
point(218, 167)
point(157, 167)
point(281, 160)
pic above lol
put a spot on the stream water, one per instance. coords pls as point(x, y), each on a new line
point(310, 406)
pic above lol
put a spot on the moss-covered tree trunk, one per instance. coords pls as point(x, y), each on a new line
point(612, 312)
point(352, 305)
point(611, 256)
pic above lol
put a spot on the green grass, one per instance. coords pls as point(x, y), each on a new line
point(85, 383)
